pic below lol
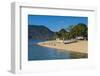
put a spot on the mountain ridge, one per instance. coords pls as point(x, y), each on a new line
point(39, 32)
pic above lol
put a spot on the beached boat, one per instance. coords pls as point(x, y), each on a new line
point(69, 41)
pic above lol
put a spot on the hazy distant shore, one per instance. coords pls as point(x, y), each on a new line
point(80, 46)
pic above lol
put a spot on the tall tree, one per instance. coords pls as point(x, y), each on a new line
point(73, 31)
point(79, 30)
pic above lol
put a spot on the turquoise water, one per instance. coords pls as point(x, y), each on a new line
point(36, 52)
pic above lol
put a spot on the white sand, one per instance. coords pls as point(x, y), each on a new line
point(79, 46)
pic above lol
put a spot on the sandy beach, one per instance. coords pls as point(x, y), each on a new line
point(80, 46)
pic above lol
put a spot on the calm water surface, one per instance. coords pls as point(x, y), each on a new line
point(43, 53)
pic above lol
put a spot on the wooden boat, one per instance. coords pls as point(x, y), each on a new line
point(69, 41)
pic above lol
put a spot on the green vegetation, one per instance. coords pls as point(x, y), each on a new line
point(43, 33)
point(73, 32)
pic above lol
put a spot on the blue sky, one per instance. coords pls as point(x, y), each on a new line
point(55, 23)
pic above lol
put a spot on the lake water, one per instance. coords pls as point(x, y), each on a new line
point(36, 52)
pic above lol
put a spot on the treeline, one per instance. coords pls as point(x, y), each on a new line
point(79, 30)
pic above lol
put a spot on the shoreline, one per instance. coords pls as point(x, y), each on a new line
point(80, 46)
